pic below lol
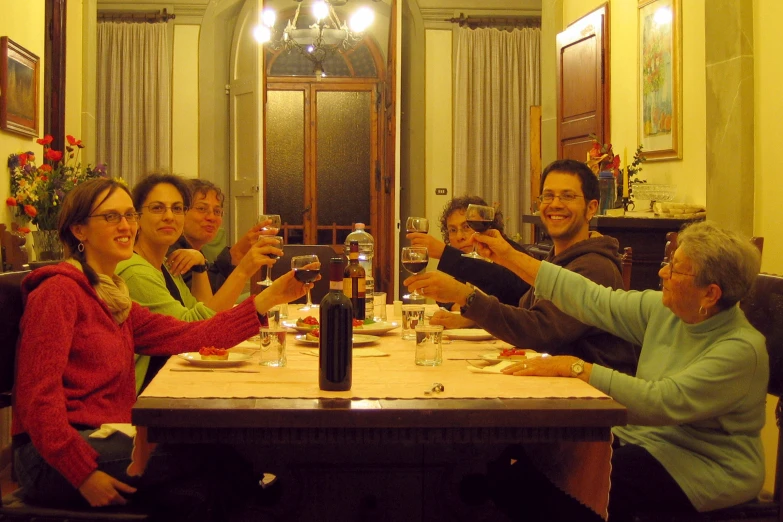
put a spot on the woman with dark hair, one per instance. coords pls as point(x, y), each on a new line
point(156, 283)
point(75, 371)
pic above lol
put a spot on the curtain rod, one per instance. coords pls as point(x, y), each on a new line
point(496, 21)
point(126, 16)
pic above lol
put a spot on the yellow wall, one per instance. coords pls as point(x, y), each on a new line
point(438, 133)
point(688, 174)
point(184, 104)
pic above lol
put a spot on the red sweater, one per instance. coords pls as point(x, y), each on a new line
point(75, 363)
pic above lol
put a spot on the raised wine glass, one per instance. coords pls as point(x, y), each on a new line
point(479, 218)
point(277, 244)
point(306, 269)
point(417, 224)
point(414, 259)
point(274, 227)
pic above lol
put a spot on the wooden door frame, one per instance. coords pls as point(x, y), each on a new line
point(54, 72)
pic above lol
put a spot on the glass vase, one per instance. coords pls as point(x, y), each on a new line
point(47, 245)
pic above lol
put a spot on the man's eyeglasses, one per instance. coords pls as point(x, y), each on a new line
point(159, 208)
point(116, 217)
point(671, 270)
point(203, 209)
point(567, 197)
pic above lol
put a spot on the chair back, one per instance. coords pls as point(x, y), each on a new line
point(10, 314)
point(627, 260)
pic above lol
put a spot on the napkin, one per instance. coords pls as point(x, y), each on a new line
point(492, 368)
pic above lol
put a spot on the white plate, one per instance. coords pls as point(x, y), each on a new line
point(357, 339)
point(468, 334)
point(234, 359)
point(300, 329)
point(491, 368)
point(377, 328)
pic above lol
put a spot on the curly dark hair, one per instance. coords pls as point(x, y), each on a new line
point(143, 188)
point(202, 187)
point(462, 203)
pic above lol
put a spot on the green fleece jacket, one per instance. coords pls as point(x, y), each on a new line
point(697, 401)
point(147, 286)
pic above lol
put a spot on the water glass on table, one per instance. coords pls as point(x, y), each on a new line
point(272, 346)
point(412, 316)
point(379, 301)
point(429, 349)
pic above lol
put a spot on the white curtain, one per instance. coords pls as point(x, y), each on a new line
point(133, 116)
point(497, 79)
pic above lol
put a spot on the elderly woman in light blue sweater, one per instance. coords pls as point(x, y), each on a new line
point(696, 405)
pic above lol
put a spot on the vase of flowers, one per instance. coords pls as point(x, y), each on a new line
point(37, 192)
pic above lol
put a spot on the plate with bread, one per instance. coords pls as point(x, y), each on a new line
point(211, 357)
point(513, 354)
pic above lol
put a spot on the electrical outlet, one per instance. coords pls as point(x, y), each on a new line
point(441, 191)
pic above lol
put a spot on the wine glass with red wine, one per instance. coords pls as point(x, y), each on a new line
point(273, 222)
point(479, 218)
point(277, 244)
point(417, 224)
point(414, 260)
point(306, 270)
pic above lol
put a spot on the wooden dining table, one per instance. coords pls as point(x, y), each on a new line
point(391, 447)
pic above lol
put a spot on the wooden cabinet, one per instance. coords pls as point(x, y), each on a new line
point(646, 235)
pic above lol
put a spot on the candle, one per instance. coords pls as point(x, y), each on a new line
point(627, 173)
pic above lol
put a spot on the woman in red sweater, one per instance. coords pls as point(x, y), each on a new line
point(75, 367)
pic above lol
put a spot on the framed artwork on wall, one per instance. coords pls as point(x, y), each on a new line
point(660, 91)
point(19, 73)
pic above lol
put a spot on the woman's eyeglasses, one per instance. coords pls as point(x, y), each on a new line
point(203, 209)
point(116, 217)
point(670, 268)
point(159, 208)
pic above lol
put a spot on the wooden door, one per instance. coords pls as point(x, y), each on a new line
point(583, 85)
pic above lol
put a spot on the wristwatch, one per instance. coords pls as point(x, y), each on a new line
point(468, 302)
point(577, 368)
point(200, 268)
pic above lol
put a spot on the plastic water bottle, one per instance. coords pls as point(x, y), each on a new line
point(366, 252)
point(608, 190)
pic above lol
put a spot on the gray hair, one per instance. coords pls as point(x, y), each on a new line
point(721, 257)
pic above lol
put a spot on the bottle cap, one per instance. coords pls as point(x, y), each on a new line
point(605, 174)
point(336, 269)
point(359, 226)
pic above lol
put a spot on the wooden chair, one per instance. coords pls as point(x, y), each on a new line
point(763, 307)
point(627, 259)
point(12, 507)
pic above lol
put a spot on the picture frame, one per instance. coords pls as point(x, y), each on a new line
point(19, 82)
point(659, 127)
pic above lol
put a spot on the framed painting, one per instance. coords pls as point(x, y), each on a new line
point(660, 91)
point(19, 73)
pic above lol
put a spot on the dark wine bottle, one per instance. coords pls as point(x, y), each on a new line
point(335, 353)
point(354, 283)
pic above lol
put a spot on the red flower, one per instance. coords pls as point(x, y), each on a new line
point(74, 142)
point(11, 202)
point(23, 159)
point(46, 140)
point(53, 155)
point(30, 211)
point(615, 162)
point(45, 168)
point(23, 230)
point(44, 178)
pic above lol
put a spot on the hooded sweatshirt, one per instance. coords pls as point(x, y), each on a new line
point(539, 325)
point(75, 363)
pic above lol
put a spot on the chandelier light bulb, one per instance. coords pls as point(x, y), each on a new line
point(310, 48)
point(262, 34)
point(361, 19)
point(320, 10)
point(269, 17)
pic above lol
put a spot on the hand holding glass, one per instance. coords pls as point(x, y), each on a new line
point(306, 270)
point(479, 218)
point(415, 259)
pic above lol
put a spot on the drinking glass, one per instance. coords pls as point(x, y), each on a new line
point(274, 224)
point(306, 269)
point(417, 224)
point(414, 259)
point(479, 218)
point(278, 244)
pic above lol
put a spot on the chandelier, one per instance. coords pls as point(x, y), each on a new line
point(327, 35)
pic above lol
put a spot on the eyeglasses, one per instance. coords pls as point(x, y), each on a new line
point(116, 217)
point(464, 228)
point(159, 208)
point(670, 266)
point(203, 209)
point(566, 197)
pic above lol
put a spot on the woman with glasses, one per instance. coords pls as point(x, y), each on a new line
point(75, 372)
point(696, 404)
point(155, 280)
point(457, 235)
point(203, 223)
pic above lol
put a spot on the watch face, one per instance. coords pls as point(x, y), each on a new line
point(577, 368)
